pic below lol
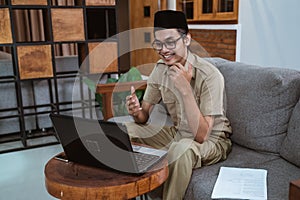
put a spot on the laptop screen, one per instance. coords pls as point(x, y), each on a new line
point(95, 142)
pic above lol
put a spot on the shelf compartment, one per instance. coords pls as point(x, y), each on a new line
point(100, 2)
point(65, 49)
point(5, 31)
point(30, 25)
point(6, 65)
point(66, 2)
point(101, 23)
point(100, 59)
point(29, 2)
point(67, 24)
point(37, 79)
point(66, 64)
point(3, 2)
point(8, 91)
point(35, 61)
point(9, 125)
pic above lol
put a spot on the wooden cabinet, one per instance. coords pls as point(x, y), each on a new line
point(209, 10)
point(45, 43)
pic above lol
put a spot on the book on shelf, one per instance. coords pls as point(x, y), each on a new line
point(19, 25)
point(65, 2)
point(29, 25)
point(70, 3)
point(41, 25)
point(68, 49)
point(100, 2)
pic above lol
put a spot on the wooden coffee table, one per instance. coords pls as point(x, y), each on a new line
point(294, 192)
point(74, 181)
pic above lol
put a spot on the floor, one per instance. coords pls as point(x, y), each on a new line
point(22, 173)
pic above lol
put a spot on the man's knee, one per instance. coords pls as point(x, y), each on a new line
point(181, 151)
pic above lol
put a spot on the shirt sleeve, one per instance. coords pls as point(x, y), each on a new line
point(152, 93)
point(212, 95)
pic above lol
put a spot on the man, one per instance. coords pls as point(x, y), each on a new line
point(193, 92)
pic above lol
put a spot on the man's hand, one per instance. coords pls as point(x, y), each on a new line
point(132, 103)
point(180, 76)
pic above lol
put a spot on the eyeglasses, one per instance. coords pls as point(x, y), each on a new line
point(158, 45)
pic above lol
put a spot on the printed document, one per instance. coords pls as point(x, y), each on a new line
point(241, 183)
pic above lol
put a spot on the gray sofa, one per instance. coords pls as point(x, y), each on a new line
point(264, 109)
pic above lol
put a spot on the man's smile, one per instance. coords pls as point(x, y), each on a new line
point(168, 56)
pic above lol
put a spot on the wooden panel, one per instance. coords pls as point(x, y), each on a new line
point(100, 2)
point(145, 60)
point(142, 54)
point(29, 2)
point(5, 30)
point(35, 61)
point(67, 24)
point(103, 57)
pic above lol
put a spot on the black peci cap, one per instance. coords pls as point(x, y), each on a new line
point(167, 19)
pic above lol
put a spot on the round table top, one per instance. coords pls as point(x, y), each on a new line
point(68, 180)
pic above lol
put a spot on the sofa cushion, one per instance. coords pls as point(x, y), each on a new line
point(259, 103)
point(290, 148)
point(280, 173)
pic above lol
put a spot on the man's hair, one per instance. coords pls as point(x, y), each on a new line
point(181, 31)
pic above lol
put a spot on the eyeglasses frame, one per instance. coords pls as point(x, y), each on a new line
point(164, 43)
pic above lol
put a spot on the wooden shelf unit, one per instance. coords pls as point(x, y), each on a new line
point(35, 78)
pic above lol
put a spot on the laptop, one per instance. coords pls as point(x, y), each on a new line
point(103, 144)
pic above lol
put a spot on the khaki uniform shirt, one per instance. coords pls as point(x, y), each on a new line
point(208, 87)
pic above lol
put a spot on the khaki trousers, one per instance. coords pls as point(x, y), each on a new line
point(184, 154)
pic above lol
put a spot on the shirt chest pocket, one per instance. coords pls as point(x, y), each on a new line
point(170, 102)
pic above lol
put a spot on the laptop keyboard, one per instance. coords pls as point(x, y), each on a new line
point(144, 160)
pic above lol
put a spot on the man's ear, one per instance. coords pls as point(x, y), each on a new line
point(187, 39)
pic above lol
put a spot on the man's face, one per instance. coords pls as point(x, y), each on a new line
point(167, 37)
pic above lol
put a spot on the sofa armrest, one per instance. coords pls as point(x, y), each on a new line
point(107, 90)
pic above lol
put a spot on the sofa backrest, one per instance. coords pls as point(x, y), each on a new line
point(290, 149)
point(260, 102)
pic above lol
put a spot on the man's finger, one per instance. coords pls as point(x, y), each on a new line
point(190, 69)
point(132, 90)
point(136, 111)
point(179, 66)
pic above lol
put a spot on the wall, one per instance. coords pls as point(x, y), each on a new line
point(270, 32)
point(217, 43)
